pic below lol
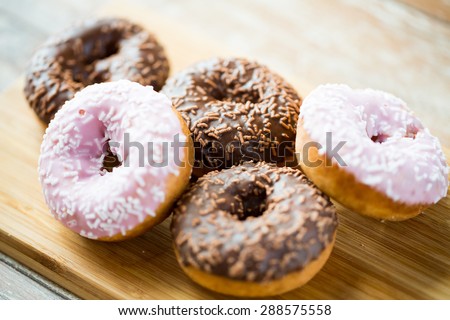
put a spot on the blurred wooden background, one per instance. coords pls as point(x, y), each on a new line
point(401, 46)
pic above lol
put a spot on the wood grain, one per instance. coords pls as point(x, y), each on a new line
point(437, 8)
point(371, 259)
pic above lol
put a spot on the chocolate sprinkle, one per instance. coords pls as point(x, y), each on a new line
point(94, 51)
point(237, 111)
point(265, 223)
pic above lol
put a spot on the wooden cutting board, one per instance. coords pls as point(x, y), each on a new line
point(371, 259)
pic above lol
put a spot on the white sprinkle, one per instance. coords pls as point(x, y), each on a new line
point(102, 115)
point(69, 127)
point(141, 192)
point(150, 212)
point(98, 144)
point(88, 118)
point(90, 216)
point(140, 180)
point(70, 174)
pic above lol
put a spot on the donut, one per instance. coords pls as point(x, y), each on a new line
point(93, 51)
point(253, 230)
point(138, 127)
point(366, 149)
point(237, 111)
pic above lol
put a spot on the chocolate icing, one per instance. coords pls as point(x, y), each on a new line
point(237, 111)
point(253, 222)
point(94, 51)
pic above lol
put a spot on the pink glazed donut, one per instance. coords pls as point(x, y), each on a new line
point(368, 151)
point(153, 156)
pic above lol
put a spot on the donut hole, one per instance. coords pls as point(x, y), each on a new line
point(101, 49)
point(249, 201)
point(411, 132)
point(235, 92)
point(87, 71)
point(110, 161)
point(380, 138)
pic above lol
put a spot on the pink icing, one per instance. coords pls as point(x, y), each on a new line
point(386, 147)
point(96, 203)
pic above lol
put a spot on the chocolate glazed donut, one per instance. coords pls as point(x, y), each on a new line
point(95, 51)
point(237, 111)
point(253, 230)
